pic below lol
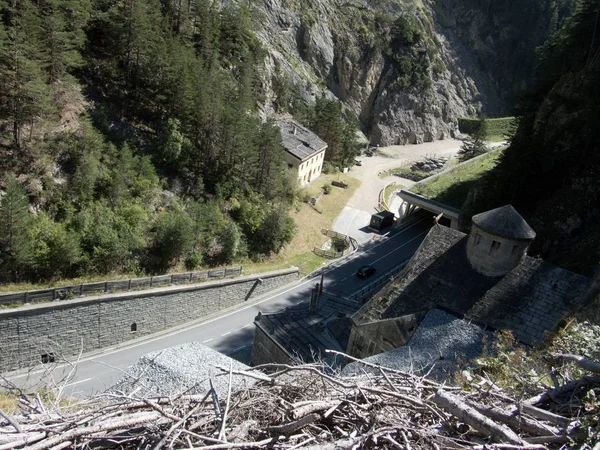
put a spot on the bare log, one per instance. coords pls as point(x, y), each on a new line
point(548, 440)
point(545, 415)
point(515, 422)
point(580, 361)
point(455, 406)
point(315, 406)
point(10, 420)
point(22, 439)
point(508, 447)
point(102, 427)
point(289, 428)
point(566, 388)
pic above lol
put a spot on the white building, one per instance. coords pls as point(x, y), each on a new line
point(304, 150)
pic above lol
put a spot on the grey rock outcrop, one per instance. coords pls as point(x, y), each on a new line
point(326, 47)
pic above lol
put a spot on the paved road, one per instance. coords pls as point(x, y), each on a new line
point(357, 212)
point(233, 333)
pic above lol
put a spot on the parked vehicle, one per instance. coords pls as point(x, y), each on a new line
point(382, 220)
point(366, 271)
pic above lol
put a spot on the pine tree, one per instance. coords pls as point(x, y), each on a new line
point(63, 36)
point(15, 249)
point(475, 144)
point(24, 94)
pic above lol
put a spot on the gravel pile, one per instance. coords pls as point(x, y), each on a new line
point(184, 368)
point(439, 342)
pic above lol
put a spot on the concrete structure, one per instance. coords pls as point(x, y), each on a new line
point(412, 201)
point(305, 151)
point(498, 241)
point(42, 333)
point(303, 333)
point(486, 278)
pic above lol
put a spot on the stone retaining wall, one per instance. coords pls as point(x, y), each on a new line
point(39, 333)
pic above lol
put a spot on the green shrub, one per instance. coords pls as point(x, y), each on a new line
point(500, 128)
point(326, 189)
point(194, 260)
point(340, 245)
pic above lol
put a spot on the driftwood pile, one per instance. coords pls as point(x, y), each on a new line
point(303, 407)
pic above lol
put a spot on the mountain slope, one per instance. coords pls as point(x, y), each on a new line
point(407, 70)
point(551, 171)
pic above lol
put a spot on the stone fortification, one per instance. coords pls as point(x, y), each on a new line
point(40, 333)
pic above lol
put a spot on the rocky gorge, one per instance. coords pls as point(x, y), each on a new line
point(406, 70)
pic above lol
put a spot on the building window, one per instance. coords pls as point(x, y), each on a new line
point(477, 239)
point(495, 246)
point(133, 327)
point(515, 249)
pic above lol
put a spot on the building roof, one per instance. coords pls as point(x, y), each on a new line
point(505, 222)
point(435, 349)
point(306, 334)
point(530, 300)
point(299, 141)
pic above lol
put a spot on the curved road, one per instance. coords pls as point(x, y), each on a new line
point(233, 332)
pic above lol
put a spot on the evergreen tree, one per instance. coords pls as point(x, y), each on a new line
point(63, 35)
point(15, 250)
point(24, 94)
point(475, 144)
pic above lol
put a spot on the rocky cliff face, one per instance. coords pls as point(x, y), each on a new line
point(463, 62)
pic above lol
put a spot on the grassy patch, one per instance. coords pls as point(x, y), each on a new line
point(452, 187)
point(17, 287)
point(389, 190)
point(9, 403)
point(309, 224)
point(496, 130)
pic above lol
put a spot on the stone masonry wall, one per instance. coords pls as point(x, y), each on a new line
point(266, 350)
point(92, 323)
point(383, 335)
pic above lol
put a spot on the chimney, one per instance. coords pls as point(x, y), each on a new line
point(295, 130)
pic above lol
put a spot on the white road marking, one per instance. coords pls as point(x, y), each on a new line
point(225, 334)
point(163, 336)
point(389, 253)
point(238, 349)
point(208, 340)
point(245, 326)
point(398, 248)
point(78, 382)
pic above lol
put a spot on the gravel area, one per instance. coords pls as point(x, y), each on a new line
point(184, 368)
point(441, 340)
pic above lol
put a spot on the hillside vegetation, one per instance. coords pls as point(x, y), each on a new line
point(551, 171)
point(130, 141)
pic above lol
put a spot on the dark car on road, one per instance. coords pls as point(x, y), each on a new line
point(365, 271)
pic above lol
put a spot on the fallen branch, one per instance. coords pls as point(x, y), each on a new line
point(580, 361)
point(462, 411)
point(545, 415)
point(292, 427)
point(514, 421)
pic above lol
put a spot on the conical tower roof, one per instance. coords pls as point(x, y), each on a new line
point(505, 222)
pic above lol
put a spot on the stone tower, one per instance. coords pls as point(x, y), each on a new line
point(498, 241)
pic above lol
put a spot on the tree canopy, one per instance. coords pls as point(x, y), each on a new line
point(157, 166)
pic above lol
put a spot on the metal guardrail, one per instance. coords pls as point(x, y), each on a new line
point(68, 292)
